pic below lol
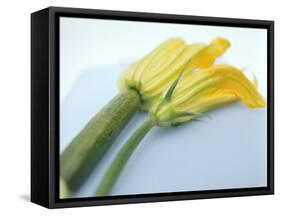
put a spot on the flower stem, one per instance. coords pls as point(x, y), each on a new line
point(122, 157)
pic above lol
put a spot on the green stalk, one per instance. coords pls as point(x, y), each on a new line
point(122, 157)
point(85, 151)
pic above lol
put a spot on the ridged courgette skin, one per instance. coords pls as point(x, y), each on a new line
point(88, 147)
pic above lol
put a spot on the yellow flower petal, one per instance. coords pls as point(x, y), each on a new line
point(195, 56)
point(203, 90)
point(216, 48)
point(217, 79)
point(155, 83)
point(157, 70)
point(160, 57)
point(208, 103)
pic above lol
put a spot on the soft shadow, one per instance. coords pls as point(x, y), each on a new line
point(25, 197)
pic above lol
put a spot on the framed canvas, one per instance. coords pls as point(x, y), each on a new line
point(138, 107)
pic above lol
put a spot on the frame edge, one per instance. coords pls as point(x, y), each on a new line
point(40, 107)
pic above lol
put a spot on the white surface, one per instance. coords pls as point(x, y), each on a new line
point(226, 152)
point(15, 109)
point(90, 43)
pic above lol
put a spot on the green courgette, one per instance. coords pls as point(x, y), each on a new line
point(88, 147)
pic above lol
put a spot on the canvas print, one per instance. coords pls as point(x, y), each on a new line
point(151, 108)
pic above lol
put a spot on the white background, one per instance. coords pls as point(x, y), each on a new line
point(15, 108)
point(232, 152)
point(91, 44)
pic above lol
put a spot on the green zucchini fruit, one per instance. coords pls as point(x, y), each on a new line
point(88, 147)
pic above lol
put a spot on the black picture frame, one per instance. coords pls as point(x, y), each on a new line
point(45, 106)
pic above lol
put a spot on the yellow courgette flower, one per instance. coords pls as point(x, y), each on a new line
point(195, 93)
point(156, 71)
